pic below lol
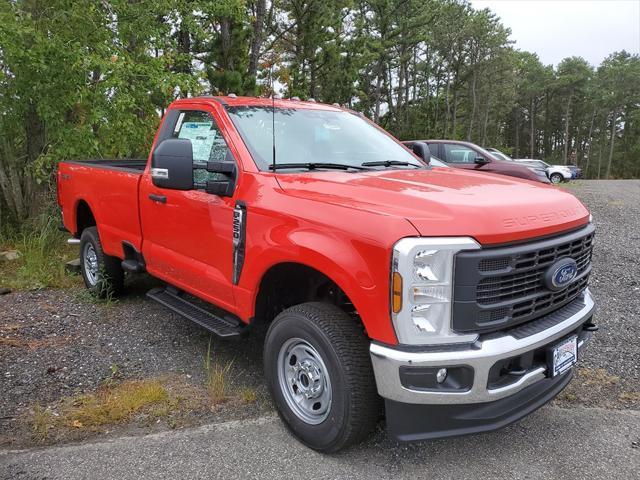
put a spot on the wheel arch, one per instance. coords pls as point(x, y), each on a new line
point(84, 216)
point(291, 282)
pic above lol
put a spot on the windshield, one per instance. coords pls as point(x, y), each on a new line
point(501, 156)
point(314, 137)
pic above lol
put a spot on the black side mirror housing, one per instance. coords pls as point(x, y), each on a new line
point(172, 164)
point(223, 187)
point(421, 149)
point(481, 161)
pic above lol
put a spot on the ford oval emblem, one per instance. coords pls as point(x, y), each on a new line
point(561, 274)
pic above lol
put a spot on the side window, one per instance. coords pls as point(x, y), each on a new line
point(458, 153)
point(206, 140)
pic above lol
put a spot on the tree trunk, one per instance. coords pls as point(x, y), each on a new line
point(257, 37)
point(376, 110)
point(485, 123)
point(614, 121)
point(455, 113)
point(473, 106)
point(566, 131)
point(517, 154)
point(225, 44)
point(447, 114)
point(588, 146)
point(532, 114)
point(545, 137)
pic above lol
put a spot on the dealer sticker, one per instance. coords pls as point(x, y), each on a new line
point(564, 355)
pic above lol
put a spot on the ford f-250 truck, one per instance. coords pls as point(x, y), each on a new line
point(456, 300)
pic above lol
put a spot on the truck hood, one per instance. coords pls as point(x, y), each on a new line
point(493, 209)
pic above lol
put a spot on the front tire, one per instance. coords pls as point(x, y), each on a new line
point(319, 374)
point(556, 178)
point(102, 274)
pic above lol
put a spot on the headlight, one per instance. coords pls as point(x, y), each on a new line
point(422, 289)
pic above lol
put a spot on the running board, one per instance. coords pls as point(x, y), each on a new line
point(226, 326)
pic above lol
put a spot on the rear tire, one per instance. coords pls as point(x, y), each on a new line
point(556, 178)
point(102, 274)
point(318, 350)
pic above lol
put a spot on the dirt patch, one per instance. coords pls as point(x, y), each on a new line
point(598, 388)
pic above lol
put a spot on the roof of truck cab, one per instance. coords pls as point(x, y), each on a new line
point(258, 102)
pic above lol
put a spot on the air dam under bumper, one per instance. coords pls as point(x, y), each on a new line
point(473, 402)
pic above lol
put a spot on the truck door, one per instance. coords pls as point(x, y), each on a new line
point(188, 239)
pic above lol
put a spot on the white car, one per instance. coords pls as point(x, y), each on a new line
point(556, 173)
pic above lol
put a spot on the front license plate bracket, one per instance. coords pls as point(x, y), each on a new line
point(562, 356)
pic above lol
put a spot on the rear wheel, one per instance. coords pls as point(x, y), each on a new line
point(319, 373)
point(102, 274)
point(556, 178)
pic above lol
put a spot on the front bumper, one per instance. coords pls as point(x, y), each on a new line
point(480, 359)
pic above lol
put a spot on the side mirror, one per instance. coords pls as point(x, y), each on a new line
point(421, 149)
point(172, 164)
point(481, 161)
point(225, 184)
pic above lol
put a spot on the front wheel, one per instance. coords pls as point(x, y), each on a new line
point(556, 178)
point(102, 274)
point(319, 374)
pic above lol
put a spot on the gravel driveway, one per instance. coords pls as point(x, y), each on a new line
point(55, 344)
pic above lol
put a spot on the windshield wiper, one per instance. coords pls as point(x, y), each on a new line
point(317, 165)
point(390, 163)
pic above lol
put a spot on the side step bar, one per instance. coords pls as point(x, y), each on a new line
point(171, 298)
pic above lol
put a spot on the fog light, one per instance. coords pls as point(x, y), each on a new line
point(441, 376)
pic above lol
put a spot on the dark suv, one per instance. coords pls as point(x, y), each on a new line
point(470, 156)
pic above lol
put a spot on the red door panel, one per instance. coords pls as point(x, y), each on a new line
point(188, 239)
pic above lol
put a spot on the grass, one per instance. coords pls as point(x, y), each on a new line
point(112, 404)
point(33, 344)
point(630, 397)
point(42, 421)
point(43, 254)
point(248, 395)
point(217, 382)
point(116, 404)
point(84, 295)
point(596, 377)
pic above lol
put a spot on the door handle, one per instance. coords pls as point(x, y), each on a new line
point(158, 198)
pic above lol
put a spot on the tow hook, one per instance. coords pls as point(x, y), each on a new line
point(590, 327)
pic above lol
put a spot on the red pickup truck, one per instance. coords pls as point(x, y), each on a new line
point(453, 302)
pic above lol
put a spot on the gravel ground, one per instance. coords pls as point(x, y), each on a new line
point(70, 344)
point(615, 283)
point(73, 344)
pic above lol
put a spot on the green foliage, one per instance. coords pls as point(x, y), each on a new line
point(80, 78)
point(43, 252)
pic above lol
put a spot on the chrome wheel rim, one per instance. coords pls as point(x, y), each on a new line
point(555, 179)
point(90, 261)
point(304, 381)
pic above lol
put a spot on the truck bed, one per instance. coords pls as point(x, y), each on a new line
point(133, 165)
point(109, 189)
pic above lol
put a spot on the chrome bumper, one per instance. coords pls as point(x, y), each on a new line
point(480, 356)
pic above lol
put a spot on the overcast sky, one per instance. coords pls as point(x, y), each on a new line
point(555, 29)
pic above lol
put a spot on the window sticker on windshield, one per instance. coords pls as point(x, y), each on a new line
point(179, 123)
point(202, 137)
